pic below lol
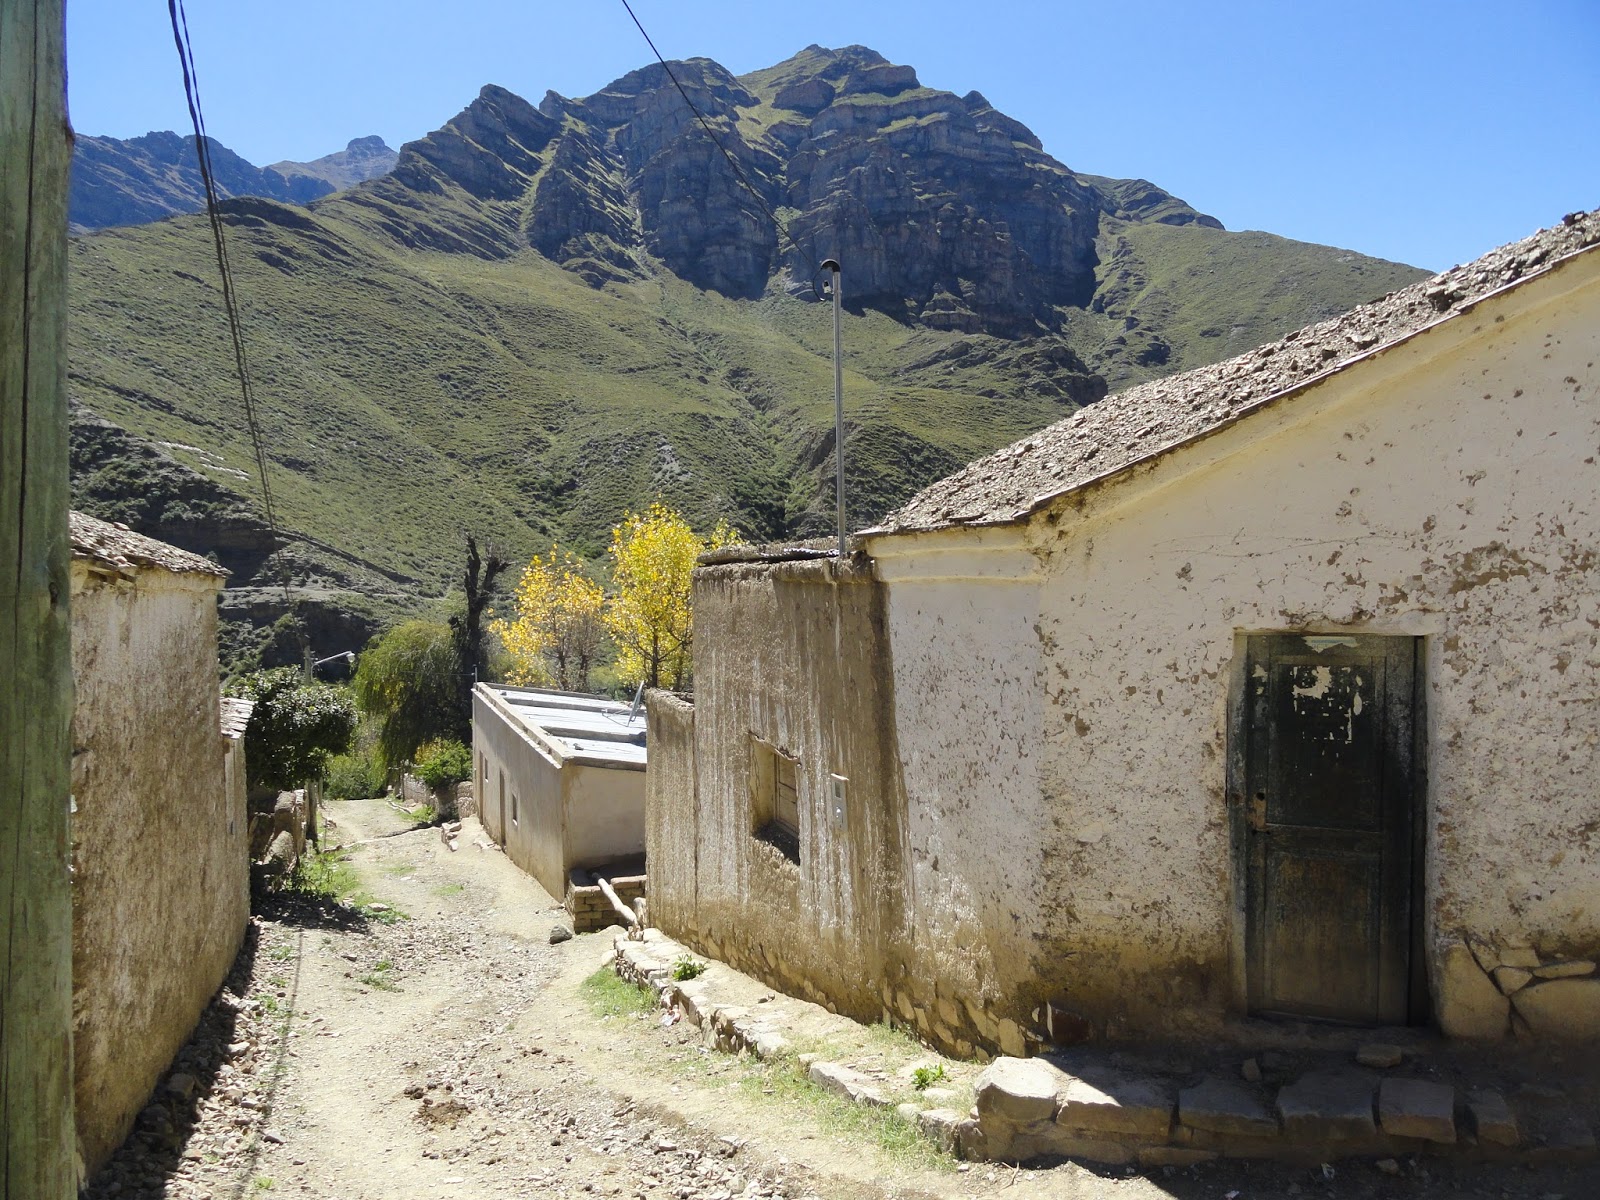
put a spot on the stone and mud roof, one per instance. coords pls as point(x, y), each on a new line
point(1146, 421)
point(118, 548)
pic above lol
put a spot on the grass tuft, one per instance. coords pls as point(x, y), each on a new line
point(609, 995)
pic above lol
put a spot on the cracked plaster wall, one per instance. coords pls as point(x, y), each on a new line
point(1458, 501)
point(159, 840)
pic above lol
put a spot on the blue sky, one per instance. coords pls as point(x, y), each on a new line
point(1417, 130)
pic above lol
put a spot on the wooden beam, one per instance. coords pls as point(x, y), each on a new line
point(37, 1141)
point(628, 914)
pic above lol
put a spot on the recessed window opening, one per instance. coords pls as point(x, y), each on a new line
point(775, 797)
point(513, 808)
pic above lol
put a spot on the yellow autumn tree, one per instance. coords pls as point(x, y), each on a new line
point(647, 615)
point(556, 630)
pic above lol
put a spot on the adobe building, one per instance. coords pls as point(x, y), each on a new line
point(560, 782)
point(1267, 690)
point(160, 864)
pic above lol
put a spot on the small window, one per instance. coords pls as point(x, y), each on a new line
point(775, 797)
point(513, 808)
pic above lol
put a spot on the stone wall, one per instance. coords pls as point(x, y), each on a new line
point(160, 860)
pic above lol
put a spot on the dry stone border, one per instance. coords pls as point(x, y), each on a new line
point(1091, 1105)
point(1036, 1108)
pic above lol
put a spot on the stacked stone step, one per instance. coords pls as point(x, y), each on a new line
point(588, 905)
point(1031, 1108)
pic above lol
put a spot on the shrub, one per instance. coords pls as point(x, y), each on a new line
point(688, 968)
point(925, 1077)
point(442, 762)
point(354, 776)
point(294, 727)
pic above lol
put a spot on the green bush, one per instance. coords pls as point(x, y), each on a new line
point(688, 967)
point(442, 762)
point(354, 776)
point(294, 727)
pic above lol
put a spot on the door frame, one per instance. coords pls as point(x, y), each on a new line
point(1419, 1006)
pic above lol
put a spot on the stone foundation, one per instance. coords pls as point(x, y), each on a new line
point(1033, 1108)
point(1492, 991)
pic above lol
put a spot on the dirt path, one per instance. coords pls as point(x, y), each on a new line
point(454, 1053)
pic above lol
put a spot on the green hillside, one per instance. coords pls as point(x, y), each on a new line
point(502, 335)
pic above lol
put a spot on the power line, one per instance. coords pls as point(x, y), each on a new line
point(777, 223)
point(202, 146)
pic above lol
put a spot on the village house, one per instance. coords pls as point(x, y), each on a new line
point(160, 867)
point(1265, 690)
point(560, 782)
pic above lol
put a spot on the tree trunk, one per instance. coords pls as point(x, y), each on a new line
point(479, 579)
point(36, 1114)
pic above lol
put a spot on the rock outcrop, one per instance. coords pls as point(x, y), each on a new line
point(362, 159)
point(947, 212)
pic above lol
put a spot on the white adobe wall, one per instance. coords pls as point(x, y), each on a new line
point(536, 839)
point(605, 814)
point(160, 855)
point(1449, 490)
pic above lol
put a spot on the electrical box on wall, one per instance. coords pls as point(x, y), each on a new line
point(837, 783)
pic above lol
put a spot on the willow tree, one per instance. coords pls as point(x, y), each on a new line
point(648, 615)
point(407, 680)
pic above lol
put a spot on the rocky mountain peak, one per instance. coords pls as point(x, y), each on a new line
point(945, 211)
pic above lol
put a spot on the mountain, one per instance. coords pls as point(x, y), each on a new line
point(363, 159)
point(546, 314)
point(131, 181)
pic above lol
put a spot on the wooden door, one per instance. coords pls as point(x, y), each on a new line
point(1328, 806)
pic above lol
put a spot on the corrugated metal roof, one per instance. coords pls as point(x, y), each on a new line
point(585, 727)
point(118, 547)
point(1146, 421)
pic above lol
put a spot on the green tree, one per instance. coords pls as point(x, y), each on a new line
point(408, 680)
point(294, 726)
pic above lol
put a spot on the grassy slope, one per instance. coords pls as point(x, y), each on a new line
point(407, 394)
point(1210, 294)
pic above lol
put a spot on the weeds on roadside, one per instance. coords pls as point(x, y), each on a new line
point(609, 995)
point(422, 814)
point(380, 978)
point(782, 1081)
point(328, 875)
point(688, 967)
point(925, 1077)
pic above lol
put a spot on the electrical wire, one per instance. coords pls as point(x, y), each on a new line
point(780, 225)
point(230, 300)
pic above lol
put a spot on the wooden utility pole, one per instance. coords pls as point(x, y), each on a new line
point(36, 1117)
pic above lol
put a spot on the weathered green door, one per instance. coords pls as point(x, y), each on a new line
point(1328, 805)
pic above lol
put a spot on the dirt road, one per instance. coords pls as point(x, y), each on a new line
point(429, 1041)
